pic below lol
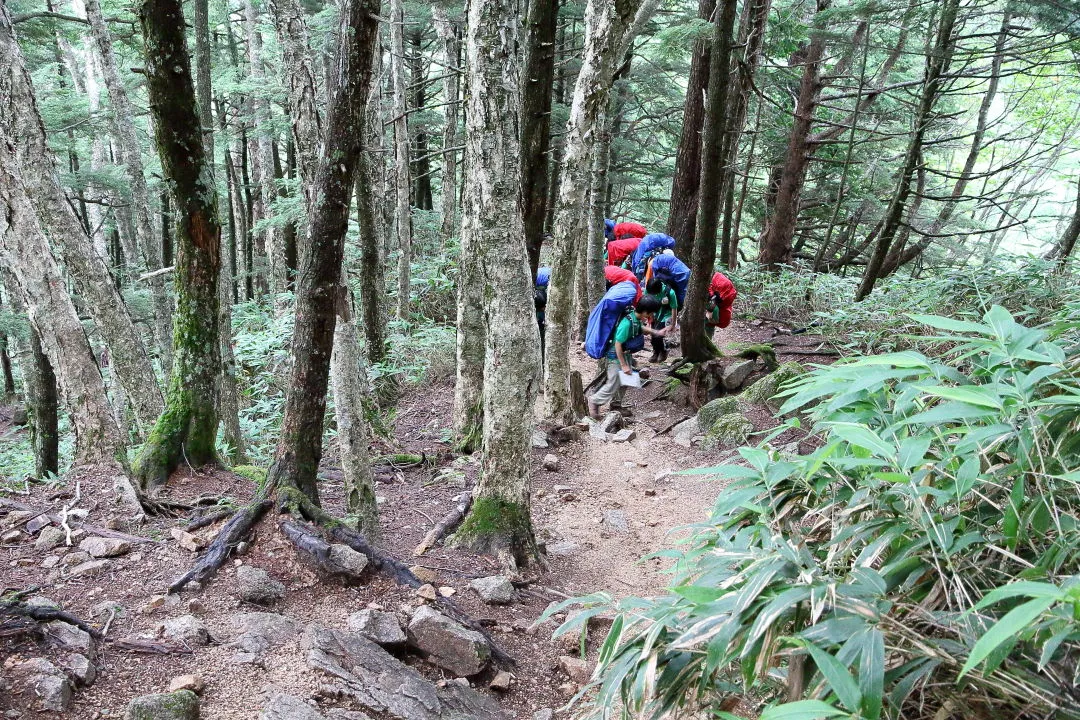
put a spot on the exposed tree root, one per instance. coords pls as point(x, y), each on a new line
point(446, 525)
point(35, 616)
point(17, 608)
point(92, 529)
point(210, 519)
point(236, 530)
point(402, 461)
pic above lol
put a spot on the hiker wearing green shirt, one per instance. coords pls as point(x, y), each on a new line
point(667, 316)
point(620, 348)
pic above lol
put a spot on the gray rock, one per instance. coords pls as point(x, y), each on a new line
point(363, 672)
point(378, 627)
point(255, 633)
point(562, 548)
point(289, 707)
point(612, 422)
point(736, 373)
point(11, 537)
point(544, 714)
point(256, 586)
point(728, 431)
point(179, 705)
point(539, 439)
point(349, 559)
point(595, 431)
point(188, 629)
point(713, 410)
point(40, 601)
point(105, 608)
point(90, 567)
point(50, 562)
point(551, 462)
point(342, 714)
point(69, 637)
point(495, 590)
point(448, 644)
point(50, 537)
point(54, 691)
point(103, 547)
point(79, 668)
point(616, 520)
point(576, 669)
point(76, 557)
point(683, 433)
point(15, 518)
point(623, 436)
point(37, 523)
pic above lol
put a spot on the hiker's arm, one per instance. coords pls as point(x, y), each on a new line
point(674, 318)
point(623, 365)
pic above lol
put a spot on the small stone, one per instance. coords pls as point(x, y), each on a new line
point(187, 629)
point(114, 523)
point(616, 520)
point(155, 602)
point(612, 422)
point(539, 439)
point(11, 537)
point(427, 591)
point(650, 492)
point(379, 627)
point(501, 681)
point(50, 562)
point(105, 608)
point(623, 436)
point(559, 489)
point(69, 637)
point(194, 683)
point(103, 547)
point(563, 548)
point(50, 537)
point(243, 547)
point(76, 557)
point(351, 560)
point(544, 714)
point(595, 431)
point(495, 590)
point(551, 462)
point(79, 668)
point(179, 705)
point(447, 591)
point(256, 586)
point(576, 669)
point(37, 523)
point(88, 568)
point(195, 606)
point(448, 644)
point(186, 540)
point(424, 574)
point(683, 433)
point(15, 518)
point(40, 601)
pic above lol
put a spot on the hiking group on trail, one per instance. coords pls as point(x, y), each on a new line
point(646, 288)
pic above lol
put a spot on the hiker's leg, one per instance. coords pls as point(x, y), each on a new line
point(611, 387)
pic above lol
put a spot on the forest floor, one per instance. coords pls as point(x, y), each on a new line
point(606, 507)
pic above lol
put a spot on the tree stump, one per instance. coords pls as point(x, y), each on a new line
point(577, 396)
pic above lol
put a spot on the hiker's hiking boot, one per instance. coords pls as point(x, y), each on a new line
point(594, 412)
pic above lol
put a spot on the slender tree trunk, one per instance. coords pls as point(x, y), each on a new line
point(369, 213)
point(538, 79)
point(20, 118)
point(5, 362)
point(692, 320)
point(402, 181)
point(492, 233)
point(937, 63)
point(421, 170)
point(450, 37)
point(319, 283)
point(609, 30)
point(188, 428)
point(1067, 243)
point(776, 237)
point(123, 120)
point(682, 216)
point(592, 289)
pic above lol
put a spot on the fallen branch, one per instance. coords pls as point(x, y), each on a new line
point(68, 507)
point(236, 530)
point(826, 353)
point(156, 273)
point(401, 461)
point(449, 521)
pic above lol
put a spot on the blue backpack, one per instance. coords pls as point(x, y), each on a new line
point(674, 272)
point(605, 317)
point(652, 244)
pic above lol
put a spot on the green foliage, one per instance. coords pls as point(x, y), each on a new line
point(922, 560)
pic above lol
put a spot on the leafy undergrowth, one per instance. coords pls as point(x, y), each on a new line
point(920, 564)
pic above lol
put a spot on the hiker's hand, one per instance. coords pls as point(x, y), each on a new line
point(627, 369)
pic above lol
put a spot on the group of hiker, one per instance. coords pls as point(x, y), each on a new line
point(628, 312)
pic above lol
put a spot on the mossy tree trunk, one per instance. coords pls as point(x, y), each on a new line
point(188, 428)
point(319, 284)
point(493, 242)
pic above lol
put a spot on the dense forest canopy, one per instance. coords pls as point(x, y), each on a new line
point(262, 238)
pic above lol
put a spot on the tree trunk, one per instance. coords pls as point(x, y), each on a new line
point(590, 291)
point(538, 79)
point(1067, 243)
point(421, 170)
point(682, 215)
point(188, 428)
point(123, 122)
point(369, 206)
point(22, 122)
point(402, 181)
point(450, 37)
point(692, 320)
point(492, 233)
point(609, 29)
point(775, 240)
point(937, 63)
point(319, 283)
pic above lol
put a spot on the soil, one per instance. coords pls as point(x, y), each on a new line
point(590, 550)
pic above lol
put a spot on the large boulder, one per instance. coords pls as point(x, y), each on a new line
point(712, 411)
point(764, 391)
point(447, 643)
point(47, 682)
point(179, 705)
point(736, 373)
point(728, 431)
point(255, 586)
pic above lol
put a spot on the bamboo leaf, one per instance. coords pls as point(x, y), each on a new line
point(801, 710)
point(1013, 623)
point(837, 676)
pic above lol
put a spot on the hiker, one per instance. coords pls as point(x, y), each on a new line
point(651, 245)
point(609, 229)
point(722, 296)
point(666, 317)
point(671, 271)
point(543, 277)
point(628, 229)
point(619, 251)
point(627, 338)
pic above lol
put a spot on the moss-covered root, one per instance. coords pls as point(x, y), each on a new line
point(500, 528)
point(763, 351)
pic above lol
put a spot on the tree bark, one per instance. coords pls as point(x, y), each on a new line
point(682, 215)
point(421, 170)
point(696, 346)
point(776, 237)
point(609, 29)
point(538, 74)
point(449, 36)
point(319, 283)
point(369, 213)
point(937, 63)
point(188, 428)
point(402, 181)
point(1067, 243)
point(492, 233)
point(91, 276)
point(123, 122)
